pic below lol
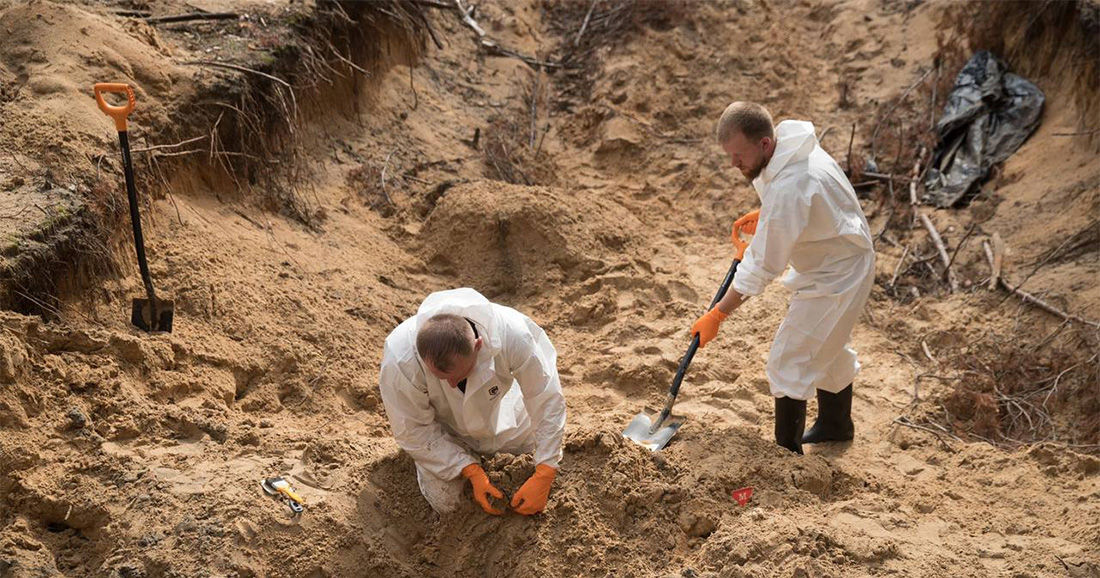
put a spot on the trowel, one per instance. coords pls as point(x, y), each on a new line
point(652, 429)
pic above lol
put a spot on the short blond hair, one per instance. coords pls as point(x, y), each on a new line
point(748, 118)
point(442, 337)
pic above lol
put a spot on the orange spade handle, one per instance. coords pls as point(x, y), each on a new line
point(746, 223)
point(119, 113)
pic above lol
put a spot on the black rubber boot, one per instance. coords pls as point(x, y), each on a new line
point(834, 418)
point(790, 420)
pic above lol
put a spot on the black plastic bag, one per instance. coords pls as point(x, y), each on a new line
point(989, 114)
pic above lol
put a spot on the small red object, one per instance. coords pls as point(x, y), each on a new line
point(742, 496)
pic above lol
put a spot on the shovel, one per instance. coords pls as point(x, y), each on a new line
point(150, 314)
point(653, 430)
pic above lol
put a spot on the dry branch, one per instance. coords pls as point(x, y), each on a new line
point(191, 17)
point(494, 49)
point(584, 26)
point(928, 352)
point(535, 108)
point(890, 112)
point(952, 280)
point(433, 4)
point(904, 421)
point(997, 260)
point(469, 20)
point(885, 177)
point(1029, 298)
point(897, 270)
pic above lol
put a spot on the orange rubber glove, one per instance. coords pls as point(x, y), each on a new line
point(707, 325)
point(480, 482)
point(532, 495)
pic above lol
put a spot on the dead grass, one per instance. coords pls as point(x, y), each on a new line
point(511, 145)
point(586, 26)
point(367, 181)
point(1014, 392)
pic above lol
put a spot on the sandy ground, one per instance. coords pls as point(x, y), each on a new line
point(124, 454)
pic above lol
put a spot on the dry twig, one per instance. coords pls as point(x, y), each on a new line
point(904, 421)
point(1029, 298)
point(996, 259)
point(192, 17)
point(938, 242)
point(584, 26)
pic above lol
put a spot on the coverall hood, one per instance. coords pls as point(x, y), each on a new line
point(794, 141)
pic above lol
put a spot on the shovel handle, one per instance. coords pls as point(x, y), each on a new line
point(686, 360)
point(746, 223)
point(119, 113)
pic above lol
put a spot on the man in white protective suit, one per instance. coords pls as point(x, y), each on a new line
point(809, 218)
point(465, 378)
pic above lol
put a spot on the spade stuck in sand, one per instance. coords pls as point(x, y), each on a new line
point(150, 314)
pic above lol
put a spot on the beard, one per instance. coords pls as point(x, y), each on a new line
point(754, 172)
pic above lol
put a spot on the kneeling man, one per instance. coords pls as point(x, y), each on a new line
point(465, 378)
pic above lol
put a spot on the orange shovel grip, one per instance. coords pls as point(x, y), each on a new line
point(119, 113)
point(747, 222)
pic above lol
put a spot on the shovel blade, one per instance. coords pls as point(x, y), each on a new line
point(640, 430)
point(141, 315)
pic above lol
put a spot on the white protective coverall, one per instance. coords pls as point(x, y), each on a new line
point(810, 218)
point(513, 401)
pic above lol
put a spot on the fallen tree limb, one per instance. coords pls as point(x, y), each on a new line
point(1029, 298)
point(952, 280)
point(494, 49)
point(192, 17)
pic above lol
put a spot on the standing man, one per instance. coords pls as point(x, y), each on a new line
point(810, 218)
point(465, 378)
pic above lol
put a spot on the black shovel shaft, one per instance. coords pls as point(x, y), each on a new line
point(686, 360)
point(135, 220)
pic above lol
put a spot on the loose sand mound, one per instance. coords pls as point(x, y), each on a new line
point(502, 238)
point(615, 505)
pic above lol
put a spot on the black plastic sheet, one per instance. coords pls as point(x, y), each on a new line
point(989, 114)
